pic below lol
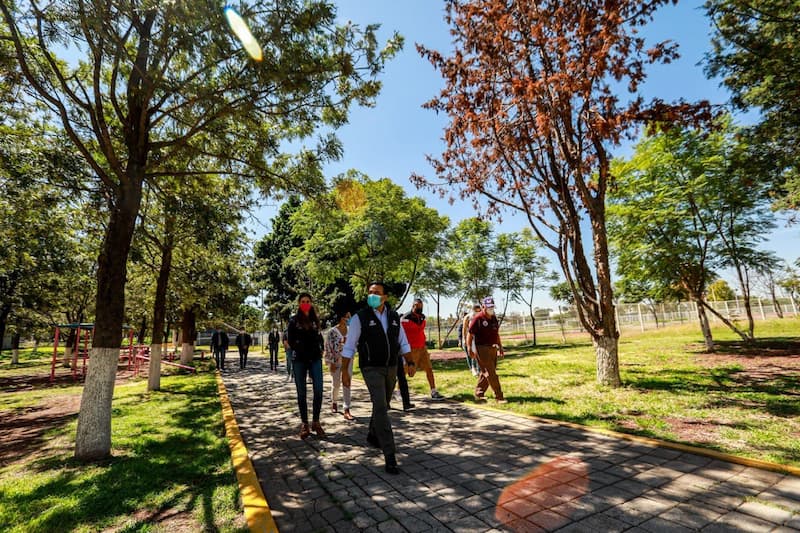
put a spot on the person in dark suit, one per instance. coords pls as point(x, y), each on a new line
point(243, 342)
point(273, 340)
point(219, 345)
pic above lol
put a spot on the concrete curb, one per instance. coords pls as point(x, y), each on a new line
point(256, 510)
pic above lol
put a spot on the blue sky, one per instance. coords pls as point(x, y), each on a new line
point(393, 138)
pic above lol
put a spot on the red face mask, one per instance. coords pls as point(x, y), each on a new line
point(305, 307)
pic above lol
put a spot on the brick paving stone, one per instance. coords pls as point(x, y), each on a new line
point(544, 473)
point(660, 525)
point(596, 523)
point(468, 524)
point(475, 503)
point(524, 526)
point(734, 521)
point(769, 513)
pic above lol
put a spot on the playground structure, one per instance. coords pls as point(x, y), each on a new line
point(142, 357)
point(84, 334)
point(133, 356)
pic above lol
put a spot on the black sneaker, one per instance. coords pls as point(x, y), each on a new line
point(391, 465)
point(408, 407)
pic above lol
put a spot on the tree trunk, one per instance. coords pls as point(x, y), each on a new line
point(15, 349)
point(142, 331)
point(188, 334)
point(93, 437)
point(606, 348)
point(533, 325)
point(4, 312)
point(775, 304)
point(705, 327)
point(160, 306)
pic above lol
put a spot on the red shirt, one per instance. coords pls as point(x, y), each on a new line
point(414, 326)
point(485, 329)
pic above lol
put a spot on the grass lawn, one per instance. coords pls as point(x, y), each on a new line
point(171, 468)
point(743, 401)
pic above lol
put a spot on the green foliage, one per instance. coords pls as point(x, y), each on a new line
point(362, 231)
point(755, 50)
point(720, 291)
point(471, 241)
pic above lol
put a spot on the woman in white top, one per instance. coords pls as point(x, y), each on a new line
point(339, 367)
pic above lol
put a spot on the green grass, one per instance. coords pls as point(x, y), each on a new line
point(669, 383)
point(171, 466)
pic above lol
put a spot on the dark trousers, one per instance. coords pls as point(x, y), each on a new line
point(301, 370)
point(243, 356)
point(402, 383)
point(273, 357)
point(219, 357)
point(380, 383)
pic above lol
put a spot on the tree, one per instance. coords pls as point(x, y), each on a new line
point(720, 291)
point(533, 272)
point(531, 95)
point(505, 271)
point(273, 273)
point(365, 230)
point(37, 220)
point(562, 292)
point(158, 82)
point(679, 213)
point(438, 278)
point(754, 51)
point(471, 243)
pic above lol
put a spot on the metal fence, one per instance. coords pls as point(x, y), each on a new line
point(640, 316)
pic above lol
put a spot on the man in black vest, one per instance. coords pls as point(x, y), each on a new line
point(376, 335)
point(243, 342)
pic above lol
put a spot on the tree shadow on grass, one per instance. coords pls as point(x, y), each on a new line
point(771, 347)
point(180, 472)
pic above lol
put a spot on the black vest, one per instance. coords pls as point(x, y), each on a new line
point(377, 347)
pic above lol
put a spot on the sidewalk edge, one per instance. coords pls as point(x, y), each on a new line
point(705, 452)
point(256, 510)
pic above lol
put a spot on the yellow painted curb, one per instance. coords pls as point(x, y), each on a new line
point(745, 461)
point(256, 510)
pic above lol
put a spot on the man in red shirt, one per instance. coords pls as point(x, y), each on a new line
point(485, 331)
point(419, 359)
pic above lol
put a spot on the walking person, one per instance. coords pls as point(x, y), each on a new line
point(472, 364)
point(289, 353)
point(219, 345)
point(339, 366)
point(484, 331)
point(305, 338)
point(273, 340)
point(419, 359)
point(376, 334)
point(243, 342)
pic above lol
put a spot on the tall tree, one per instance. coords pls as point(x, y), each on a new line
point(37, 219)
point(273, 273)
point(471, 244)
point(439, 278)
point(365, 230)
point(534, 272)
point(156, 82)
point(531, 92)
point(755, 51)
point(505, 270)
point(679, 214)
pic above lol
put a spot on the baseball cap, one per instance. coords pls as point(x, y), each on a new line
point(488, 301)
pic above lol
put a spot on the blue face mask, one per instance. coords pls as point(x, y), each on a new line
point(374, 300)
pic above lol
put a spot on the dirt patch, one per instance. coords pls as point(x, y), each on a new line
point(24, 431)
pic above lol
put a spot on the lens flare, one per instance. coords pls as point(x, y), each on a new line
point(240, 29)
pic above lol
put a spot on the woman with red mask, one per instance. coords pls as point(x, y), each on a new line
point(305, 339)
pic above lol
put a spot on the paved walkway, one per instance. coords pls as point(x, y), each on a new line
point(471, 469)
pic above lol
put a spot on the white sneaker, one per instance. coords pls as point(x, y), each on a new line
point(435, 395)
point(396, 396)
